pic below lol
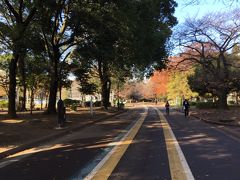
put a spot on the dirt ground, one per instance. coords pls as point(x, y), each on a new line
point(15, 132)
point(230, 116)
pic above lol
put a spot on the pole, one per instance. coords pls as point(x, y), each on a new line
point(91, 107)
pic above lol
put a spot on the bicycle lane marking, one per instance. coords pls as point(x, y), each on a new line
point(106, 166)
point(177, 162)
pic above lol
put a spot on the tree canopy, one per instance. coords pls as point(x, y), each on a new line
point(207, 42)
point(114, 36)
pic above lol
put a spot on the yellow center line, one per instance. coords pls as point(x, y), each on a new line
point(106, 166)
point(178, 165)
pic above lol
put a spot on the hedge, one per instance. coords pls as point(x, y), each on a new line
point(205, 105)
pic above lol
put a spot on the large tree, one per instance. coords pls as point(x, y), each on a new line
point(126, 35)
point(207, 41)
point(16, 17)
point(178, 87)
point(58, 36)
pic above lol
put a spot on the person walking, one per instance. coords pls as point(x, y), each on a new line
point(186, 107)
point(167, 106)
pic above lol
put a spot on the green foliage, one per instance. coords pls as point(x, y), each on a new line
point(198, 81)
point(116, 36)
point(205, 81)
point(193, 103)
point(36, 72)
point(72, 104)
point(4, 71)
point(134, 33)
point(3, 104)
point(152, 32)
point(231, 102)
point(178, 86)
point(4, 61)
point(84, 74)
point(88, 88)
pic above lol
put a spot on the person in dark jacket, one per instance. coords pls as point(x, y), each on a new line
point(186, 107)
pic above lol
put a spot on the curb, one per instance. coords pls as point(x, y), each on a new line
point(224, 128)
point(209, 121)
point(214, 122)
point(44, 139)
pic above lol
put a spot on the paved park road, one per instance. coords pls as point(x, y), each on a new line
point(141, 143)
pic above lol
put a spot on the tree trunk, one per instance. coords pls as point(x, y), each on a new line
point(41, 99)
point(106, 86)
point(53, 87)
point(17, 34)
point(12, 87)
point(222, 99)
point(22, 71)
point(52, 96)
point(32, 101)
point(46, 100)
point(24, 97)
point(105, 83)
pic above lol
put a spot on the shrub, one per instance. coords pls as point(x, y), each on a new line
point(71, 103)
point(121, 105)
point(97, 104)
point(205, 105)
point(3, 104)
point(73, 107)
point(231, 102)
point(193, 103)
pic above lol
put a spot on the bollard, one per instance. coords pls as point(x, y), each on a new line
point(60, 108)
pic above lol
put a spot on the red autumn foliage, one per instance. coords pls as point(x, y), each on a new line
point(158, 82)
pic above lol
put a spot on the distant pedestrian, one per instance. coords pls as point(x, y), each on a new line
point(186, 107)
point(167, 106)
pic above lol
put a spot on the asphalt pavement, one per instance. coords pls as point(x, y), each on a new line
point(211, 150)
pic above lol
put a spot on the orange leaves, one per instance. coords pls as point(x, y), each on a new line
point(158, 82)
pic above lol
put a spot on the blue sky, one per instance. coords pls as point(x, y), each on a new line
point(182, 11)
